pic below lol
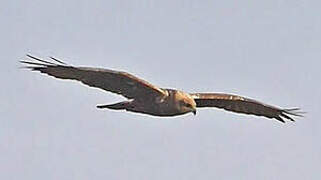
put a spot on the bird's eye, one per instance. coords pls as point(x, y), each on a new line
point(183, 103)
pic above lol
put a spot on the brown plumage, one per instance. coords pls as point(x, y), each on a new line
point(146, 98)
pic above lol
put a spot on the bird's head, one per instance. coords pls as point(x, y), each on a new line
point(186, 103)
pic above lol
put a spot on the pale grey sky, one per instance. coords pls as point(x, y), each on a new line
point(268, 50)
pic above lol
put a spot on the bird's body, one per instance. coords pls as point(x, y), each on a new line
point(172, 104)
point(146, 98)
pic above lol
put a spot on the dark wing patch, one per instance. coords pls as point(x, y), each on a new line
point(244, 105)
point(114, 81)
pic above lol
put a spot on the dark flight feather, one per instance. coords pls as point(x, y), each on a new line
point(114, 81)
point(244, 105)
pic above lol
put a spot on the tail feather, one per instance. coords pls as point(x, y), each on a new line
point(117, 106)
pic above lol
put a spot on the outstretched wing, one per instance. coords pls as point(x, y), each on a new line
point(114, 81)
point(243, 105)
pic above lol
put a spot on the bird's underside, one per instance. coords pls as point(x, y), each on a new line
point(146, 98)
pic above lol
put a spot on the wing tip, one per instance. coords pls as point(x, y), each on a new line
point(42, 62)
point(57, 60)
point(287, 113)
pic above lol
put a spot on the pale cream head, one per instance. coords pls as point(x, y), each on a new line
point(185, 102)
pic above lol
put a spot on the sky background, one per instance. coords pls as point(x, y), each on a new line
point(267, 50)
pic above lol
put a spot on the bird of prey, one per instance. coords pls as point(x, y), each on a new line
point(143, 97)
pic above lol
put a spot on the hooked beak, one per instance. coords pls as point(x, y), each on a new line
point(194, 112)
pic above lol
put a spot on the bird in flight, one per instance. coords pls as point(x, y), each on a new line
point(143, 97)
